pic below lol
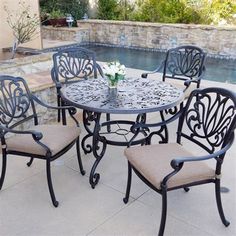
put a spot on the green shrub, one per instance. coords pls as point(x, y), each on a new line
point(167, 11)
point(186, 11)
point(108, 9)
point(76, 8)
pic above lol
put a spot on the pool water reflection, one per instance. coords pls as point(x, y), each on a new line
point(221, 70)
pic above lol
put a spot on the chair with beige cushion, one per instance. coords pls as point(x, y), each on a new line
point(46, 142)
point(183, 67)
point(207, 120)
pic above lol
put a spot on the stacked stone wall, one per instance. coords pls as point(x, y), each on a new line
point(218, 41)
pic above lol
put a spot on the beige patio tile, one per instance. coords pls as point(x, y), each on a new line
point(26, 208)
point(198, 208)
point(113, 171)
point(141, 220)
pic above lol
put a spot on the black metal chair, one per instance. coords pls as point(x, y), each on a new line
point(209, 120)
point(185, 63)
point(46, 142)
point(71, 65)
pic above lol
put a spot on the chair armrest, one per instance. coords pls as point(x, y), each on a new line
point(99, 70)
point(145, 75)
point(140, 127)
point(175, 163)
point(36, 135)
point(52, 107)
point(72, 110)
point(56, 82)
point(146, 126)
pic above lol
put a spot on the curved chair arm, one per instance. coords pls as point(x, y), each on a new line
point(158, 69)
point(36, 135)
point(100, 70)
point(138, 127)
point(56, 82)
point(175, 163)
point(146, 126)
point(51, 107)
point(72, 110)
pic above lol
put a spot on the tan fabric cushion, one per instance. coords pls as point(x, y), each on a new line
point(153, 162)
point(56, 137)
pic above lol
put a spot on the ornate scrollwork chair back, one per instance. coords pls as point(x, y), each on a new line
point(208, 119)
point(74, 63)
point(16, 104)
point(71, 65)
point(184, 63)
point(47, 142)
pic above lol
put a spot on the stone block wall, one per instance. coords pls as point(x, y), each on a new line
point(65, 34)
point(217, 41)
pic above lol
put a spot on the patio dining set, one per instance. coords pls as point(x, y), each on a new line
point(206, 117)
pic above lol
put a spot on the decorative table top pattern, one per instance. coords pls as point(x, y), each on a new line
point(133, 95)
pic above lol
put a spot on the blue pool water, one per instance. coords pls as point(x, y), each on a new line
point(221, 70)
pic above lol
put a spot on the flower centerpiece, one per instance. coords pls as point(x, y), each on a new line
point(114, 72)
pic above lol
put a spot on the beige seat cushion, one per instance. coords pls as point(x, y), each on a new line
point(153, 162)
point(56, 137)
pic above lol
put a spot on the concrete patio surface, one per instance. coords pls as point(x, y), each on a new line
point(26, 209)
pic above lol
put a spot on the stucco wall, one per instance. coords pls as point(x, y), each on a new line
point(219, 41)
point(6, 36)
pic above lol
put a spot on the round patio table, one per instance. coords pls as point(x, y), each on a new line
point(132, 96)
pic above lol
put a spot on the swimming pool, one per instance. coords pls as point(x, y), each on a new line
point(221, 70)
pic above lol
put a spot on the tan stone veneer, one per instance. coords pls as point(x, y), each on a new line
point(218, 41)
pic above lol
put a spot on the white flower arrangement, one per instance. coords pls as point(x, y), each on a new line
point(114, 71)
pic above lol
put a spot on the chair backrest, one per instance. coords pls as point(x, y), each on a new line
point(16, 104)
point(184, 62)
point(73, 63)
point(209, 118)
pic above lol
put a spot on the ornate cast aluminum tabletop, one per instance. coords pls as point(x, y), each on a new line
point(132, 96)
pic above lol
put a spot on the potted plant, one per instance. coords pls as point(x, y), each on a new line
point(57, 19)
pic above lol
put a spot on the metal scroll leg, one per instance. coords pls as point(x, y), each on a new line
point(126, 198)
point(63, 113)
point(219, 203)
point(98, 148)
point(82, 171)
point(88, 118)
point(50, 187)
point(30, 162)
point(4, 165)
point(164, 212)
point(108, 118)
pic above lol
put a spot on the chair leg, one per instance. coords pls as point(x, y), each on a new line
point(126, 198)
point(63, 113)
point(108, 118)
point(59, 111)
point(219, 203)
point(30, 162)
point(4, 165)
point(49, 179)
point(164, 212)
point(82, 171)
point(186, 189)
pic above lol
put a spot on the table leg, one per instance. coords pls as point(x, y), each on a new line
point(88, 119)
point(98, 148)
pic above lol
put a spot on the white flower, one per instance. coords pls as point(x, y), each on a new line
point(113, 69)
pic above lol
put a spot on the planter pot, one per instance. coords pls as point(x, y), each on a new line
point(58, 22)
